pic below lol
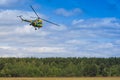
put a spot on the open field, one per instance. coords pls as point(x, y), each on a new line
point(73, 78)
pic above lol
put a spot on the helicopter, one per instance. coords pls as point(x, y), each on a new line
point(36, 23)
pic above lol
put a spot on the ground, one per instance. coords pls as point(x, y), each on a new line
point(61, 78)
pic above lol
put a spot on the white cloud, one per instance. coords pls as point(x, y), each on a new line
point(81, 40)
point(100, 46)
point(35, 49)
point(97, 27)
point(26, 29)
point(7, 2)
point(117, 42)
point(97, 22)
point(10, 24)
point(76, 42)
point(64, 12)
point(7, 48)
point(77, 21)
point(10, 51)
point(11, 3)
point(58, 28)
point(9, 17)
point(45, 49)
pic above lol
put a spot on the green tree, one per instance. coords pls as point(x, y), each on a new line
point(90, 70)
point(115, 70)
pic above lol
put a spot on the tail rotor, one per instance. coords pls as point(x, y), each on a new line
point(20, 17)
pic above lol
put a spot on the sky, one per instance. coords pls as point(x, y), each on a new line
point(88, 28)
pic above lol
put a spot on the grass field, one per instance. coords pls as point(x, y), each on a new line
point(82, 78)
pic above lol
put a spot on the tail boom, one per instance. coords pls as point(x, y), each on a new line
point(24, 19)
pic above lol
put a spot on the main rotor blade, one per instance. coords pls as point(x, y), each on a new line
point(42, 18)
point(50, 22)
point(34, 11)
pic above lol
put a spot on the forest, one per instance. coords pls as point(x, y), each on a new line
point(60, 67)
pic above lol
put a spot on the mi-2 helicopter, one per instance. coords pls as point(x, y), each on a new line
point(37, 23)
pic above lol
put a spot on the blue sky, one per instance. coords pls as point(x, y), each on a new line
point(88, 28)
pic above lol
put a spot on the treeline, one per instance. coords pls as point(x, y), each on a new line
point(59, 67)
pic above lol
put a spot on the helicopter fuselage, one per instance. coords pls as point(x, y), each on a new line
point(36, 23)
